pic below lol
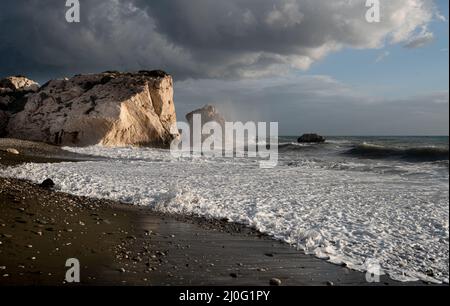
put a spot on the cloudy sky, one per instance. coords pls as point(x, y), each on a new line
point(311, 65)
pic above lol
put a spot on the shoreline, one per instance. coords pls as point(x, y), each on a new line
point(119, 244)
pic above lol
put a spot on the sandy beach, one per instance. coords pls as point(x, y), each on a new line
point(119, 244)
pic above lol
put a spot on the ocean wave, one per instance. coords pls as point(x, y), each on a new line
point(343, 216)
point(292, 146)
point(414, 154)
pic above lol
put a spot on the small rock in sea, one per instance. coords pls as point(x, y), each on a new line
point(269, 254)
point(275, 282)
point(233, 275)
point(48, 183)
point(311, 138)
point(12, 151)
point(330, 283)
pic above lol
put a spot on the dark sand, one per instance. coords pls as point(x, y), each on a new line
point(117, 244)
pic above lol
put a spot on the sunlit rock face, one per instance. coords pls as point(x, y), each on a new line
point(110, 109)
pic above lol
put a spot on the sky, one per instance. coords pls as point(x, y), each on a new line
point(311, 65)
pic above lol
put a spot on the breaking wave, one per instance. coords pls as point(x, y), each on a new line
point(414, 154)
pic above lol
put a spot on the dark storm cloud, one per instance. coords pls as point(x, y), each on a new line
point(196, 38)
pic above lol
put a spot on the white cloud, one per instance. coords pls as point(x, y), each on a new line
point(420, 40)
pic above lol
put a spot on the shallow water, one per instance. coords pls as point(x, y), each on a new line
point(342, 208)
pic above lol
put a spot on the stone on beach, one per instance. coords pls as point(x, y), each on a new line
point(275, 282)
point(48, 183)
point(12, 151)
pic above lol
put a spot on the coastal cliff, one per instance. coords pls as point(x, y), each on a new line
point(110, 109)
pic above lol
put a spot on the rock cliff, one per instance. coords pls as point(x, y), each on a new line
point(13, 96)
point(4, 118)
point(110, 108)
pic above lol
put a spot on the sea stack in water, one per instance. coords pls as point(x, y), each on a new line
point(208, 113)
point(311, 138)
point(110, 108)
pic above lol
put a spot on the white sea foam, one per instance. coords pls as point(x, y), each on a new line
point(402, 221)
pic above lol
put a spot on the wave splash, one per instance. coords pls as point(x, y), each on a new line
point(412, 154)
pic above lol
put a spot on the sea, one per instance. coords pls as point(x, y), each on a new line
point(362, 202)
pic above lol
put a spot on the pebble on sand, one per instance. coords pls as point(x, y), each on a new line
point(275, 282)
point(48, 183)
point(12, 151)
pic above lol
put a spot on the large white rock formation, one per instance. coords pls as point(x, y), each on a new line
point(110, 108)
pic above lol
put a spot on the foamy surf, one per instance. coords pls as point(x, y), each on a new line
point(341, 215)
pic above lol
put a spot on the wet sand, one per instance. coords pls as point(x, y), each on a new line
point(119, 244)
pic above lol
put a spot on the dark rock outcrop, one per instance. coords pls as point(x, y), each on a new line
point(311, 138)
point(14, 92)
point(4, 118)
point(208, 113)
